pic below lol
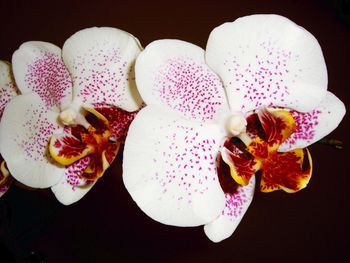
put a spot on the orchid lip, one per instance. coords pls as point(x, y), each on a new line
point(286, 171)
point(93, 141)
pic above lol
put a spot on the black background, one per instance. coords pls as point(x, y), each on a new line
point(106, 226)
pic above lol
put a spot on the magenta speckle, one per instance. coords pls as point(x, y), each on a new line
point(48, 77)
point(305, 126)
point(73, 172)
point(262, 81)
point(101, 75)
point(38, 130)
point(184, 163)
point(189, 88)
point(237, 202)
point(8, 90)
point(119, 119)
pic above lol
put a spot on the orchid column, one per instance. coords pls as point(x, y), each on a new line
point(76, 105)
point(214, 118)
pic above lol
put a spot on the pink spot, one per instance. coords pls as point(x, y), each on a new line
point(305, 126)
point(119, 119)
point(101, 75)
point(73, 172)
point(190, 88)
point(48, 77)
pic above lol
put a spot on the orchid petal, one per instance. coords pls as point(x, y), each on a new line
point(5, 178)
point(235, 208)
point(72, 187)
point(73, 173)
point(169, 168)
point(110, 153)
point(119, 120)
point(7, 85)
point(101, 62)
point(173, 74)
point(268, 60)
point(38, 67)
point(26, 127)
point(278, 125)
point(98, 123)
point(66, 149)
point(314, 125)
point(242, 167)
point(290, 171)
point(100, 163)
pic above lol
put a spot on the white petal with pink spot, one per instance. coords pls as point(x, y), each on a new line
point(7, 85)
point(170, 169)
point(74, 171)
point(267, 60)
point(38, 67)
point(173, 73)
point(72, 187)
point(314, 125)
point(101, 62)
point(235, 208)
point(24, 141)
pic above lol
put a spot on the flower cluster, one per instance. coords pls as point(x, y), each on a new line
point(252, 101)
point(198, 129)
point(73, 111)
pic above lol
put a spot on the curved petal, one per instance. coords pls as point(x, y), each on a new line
point(235, 208)
point(100, 162)
point(173, 73)
point(289, 171)
point(73, 173)
point(268, 60)
point(101, 62)
point(26, 127)
point(5, 178)
point(169, 168)
point(38, 67)
point(278, 125)
point(314, 125)
point(71, 188)
point(242, 167)
point(119, 120)
point(7, 85)
point(66, 149)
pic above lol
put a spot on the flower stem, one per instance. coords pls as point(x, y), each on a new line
point(337, 144)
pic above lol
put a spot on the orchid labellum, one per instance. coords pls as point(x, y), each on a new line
point(251, 102)
point(65, 129)
point(8, 90)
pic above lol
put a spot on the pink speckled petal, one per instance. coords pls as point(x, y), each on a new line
point(169, 168)
point(26, 127)
point(101, 62)
point(267, 60)
point(71, 188)
point(38, 67)
point(173, 74)
point(314, 125)
point(7, 85)
point(235, 208)
point(119, 120)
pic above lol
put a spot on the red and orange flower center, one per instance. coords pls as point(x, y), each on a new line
point(68, 148)
point(289, 171)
